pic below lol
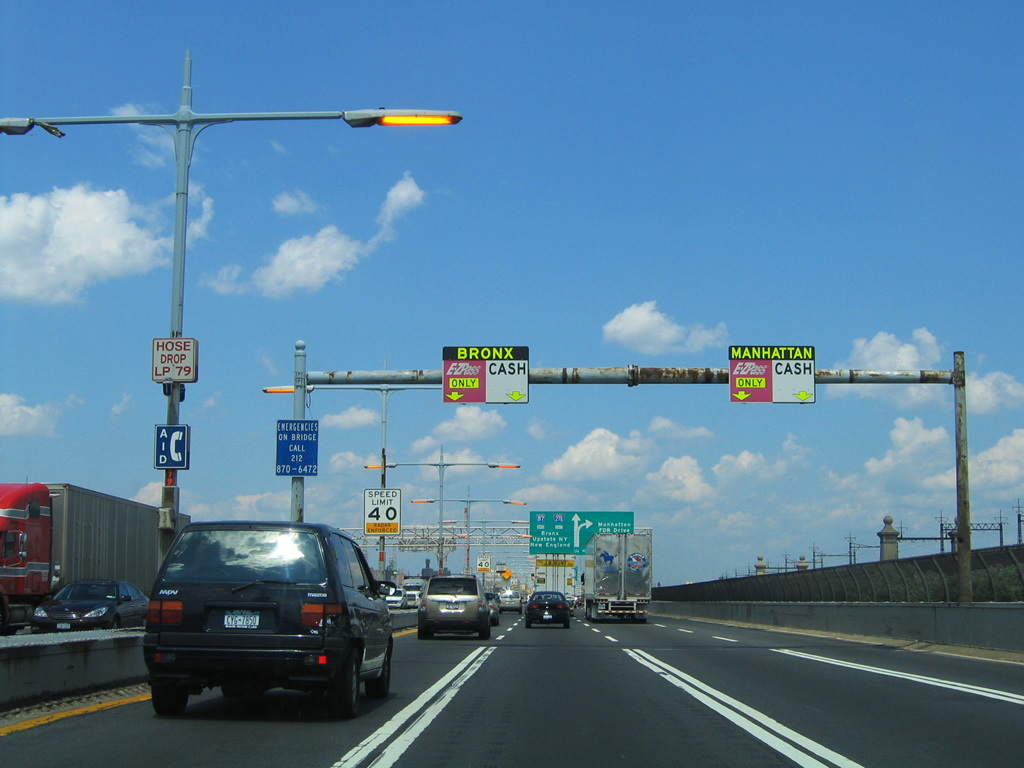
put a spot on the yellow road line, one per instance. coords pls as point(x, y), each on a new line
point(37, 721)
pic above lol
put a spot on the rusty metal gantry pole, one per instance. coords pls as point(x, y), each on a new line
point(633, 375)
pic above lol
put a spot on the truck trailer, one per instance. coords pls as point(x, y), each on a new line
point(616, 577)
point(54, 534)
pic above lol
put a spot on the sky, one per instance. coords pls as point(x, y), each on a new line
point(642, 185)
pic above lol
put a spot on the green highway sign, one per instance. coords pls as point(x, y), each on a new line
point(569, 532)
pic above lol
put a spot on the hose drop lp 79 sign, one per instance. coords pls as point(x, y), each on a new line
point(486, 374)
point(771, 374)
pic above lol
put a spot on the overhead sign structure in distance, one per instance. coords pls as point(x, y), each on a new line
point(486, 374)
point(569, 532)
point(171, 446)
point(297, 447)
point(382, 511)
point(771, 374)
point(175, 360)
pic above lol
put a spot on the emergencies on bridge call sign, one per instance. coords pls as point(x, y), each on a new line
point(486, 374)
point(771, 374)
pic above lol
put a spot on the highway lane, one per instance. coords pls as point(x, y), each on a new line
point(671, 692)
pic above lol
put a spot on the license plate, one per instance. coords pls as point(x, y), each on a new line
point(63, 625)
point(547, 616)
point(241, 620)
point(452, 607)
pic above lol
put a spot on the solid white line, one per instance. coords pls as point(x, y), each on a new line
point(990, 693)
point(756, 723)
point(357, 754)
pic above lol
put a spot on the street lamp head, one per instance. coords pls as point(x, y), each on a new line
point(363, 118)
point(494, 465)
point(379, 466)
point(17, 126)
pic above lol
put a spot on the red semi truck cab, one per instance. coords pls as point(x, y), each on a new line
point(25, 547)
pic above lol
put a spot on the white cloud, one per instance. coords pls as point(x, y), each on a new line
point(122, 405)
point(1001, 467)
point(291, 203)
point(601, 455)
point(346, 460)
point(18, 419)
point(471, 422)
point(664, 427)
point(537, 429)
point(681, 479)
point(53, 246)
point(355, 417)
point(310, 262)
point(155, 147)
point(885, 352)
point(989, 393)
point(644, 329)
point(914, 446)
point(747, 464)
point(402, 198)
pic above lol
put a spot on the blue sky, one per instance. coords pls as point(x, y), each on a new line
point(642, 185)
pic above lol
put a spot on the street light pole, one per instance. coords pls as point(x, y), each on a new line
point(441, 465)
point(185, 126)
point(469, 503)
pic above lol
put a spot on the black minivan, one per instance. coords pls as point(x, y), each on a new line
point(250, 606)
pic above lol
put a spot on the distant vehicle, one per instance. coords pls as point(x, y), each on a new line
point(495, 606)
point(414, 588)
point(617, 576)
point(91, 605)
point(453, 604)
point(511, 600)
point(547, 608)
point(399, 599)
point(250, 606)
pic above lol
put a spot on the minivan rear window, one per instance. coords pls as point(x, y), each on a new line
point(243, 555)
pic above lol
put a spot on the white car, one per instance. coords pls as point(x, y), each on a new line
point(397, 600)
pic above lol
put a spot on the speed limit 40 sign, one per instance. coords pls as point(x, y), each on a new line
point(382, 511)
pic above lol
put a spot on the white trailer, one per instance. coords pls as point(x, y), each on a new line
point(617, 576)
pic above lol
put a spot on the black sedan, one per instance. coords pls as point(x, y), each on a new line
point(547, 608)
point(92, 605)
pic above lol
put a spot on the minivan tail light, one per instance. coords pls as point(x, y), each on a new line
point(313, 613)
point(165, 612)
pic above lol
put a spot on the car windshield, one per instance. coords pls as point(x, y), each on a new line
point(87, 592)
point(453, 587)
point(242, 555)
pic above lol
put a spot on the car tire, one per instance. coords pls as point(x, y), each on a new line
point(566, 625)
point(485, 631)
point(423, 633)
point(528, 625)
point(380, 687)
point(169, 699)
point(343, 689)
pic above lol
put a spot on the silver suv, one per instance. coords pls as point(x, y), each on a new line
point(511, 600)
point(453, 604)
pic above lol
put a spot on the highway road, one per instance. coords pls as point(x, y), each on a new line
point(672, 692)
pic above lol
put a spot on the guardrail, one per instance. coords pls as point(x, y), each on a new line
point(48, 666)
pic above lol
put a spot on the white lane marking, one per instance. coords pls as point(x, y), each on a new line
point(783, 740)
point(660, 625)
point(977, 690)
point(687, 631)
point(610, 639)
point(460, 674)
point(726, 639)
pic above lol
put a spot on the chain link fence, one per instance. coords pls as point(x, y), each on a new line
point(998, 576)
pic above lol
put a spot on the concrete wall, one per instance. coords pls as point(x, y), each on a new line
point(995, 626)
point(43, 667)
